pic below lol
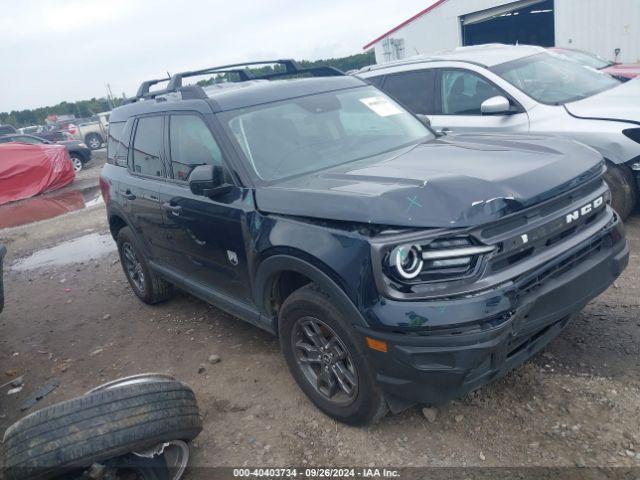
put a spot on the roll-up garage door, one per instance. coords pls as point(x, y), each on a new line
point(525, 22)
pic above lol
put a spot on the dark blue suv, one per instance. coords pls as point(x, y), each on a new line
point(395, 266)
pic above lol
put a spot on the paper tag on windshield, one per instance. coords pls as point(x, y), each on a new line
point(381, 106)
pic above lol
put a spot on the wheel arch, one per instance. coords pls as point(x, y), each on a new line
point(296, 272)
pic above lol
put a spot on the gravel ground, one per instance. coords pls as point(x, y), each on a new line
point(576, 403)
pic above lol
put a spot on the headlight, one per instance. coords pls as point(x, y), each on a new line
point(406, 261)
point(442, 259)
point(633, 134)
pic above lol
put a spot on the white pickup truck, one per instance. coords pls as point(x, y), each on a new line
point(94, 134)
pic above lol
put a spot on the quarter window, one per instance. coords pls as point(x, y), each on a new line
point(463, 92)
point(192, 144)
point(147, 147)
point(414, 90)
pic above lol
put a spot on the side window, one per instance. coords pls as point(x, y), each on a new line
point(462, 92)
point(413, 89)
point(147, 147)
point(114, 140)
point(192, 144)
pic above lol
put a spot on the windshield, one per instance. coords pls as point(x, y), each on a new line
point(553, 79)
point(587, 59)
point(301, 135)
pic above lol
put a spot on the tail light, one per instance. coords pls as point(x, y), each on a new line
point(105, 189)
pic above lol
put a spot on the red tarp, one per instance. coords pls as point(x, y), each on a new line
point(28, 170)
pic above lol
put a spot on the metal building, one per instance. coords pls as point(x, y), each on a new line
point(609, 28)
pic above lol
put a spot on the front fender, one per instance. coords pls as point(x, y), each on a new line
point(269, 269)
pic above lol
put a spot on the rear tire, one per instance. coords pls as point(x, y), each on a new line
point(623, 189)
point(93, 141)
point(99, 426)
point(77, 163)
point(145, 283)
point(366, 403)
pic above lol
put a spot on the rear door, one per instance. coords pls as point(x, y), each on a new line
point(204, 236)
point(140, 193)
point(459, 94)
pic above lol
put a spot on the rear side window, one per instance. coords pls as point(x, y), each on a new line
point(415, 90)
point(192, 144)
point(147, 147)
point(114, 141)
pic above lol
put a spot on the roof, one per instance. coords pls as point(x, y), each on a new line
point(488, 56)
point(231, 96)
point(406, 22)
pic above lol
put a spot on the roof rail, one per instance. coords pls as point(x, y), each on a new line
point(291, 67)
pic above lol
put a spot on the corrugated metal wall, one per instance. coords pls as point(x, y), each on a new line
point(599, 26)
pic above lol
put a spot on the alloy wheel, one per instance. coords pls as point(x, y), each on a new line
point(77, 164)
point(325, 361)
point(133, 267)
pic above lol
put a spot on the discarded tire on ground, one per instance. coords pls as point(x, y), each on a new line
point(100, 425)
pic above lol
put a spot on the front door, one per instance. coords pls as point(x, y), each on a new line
point(204, 237)
point(459, 94)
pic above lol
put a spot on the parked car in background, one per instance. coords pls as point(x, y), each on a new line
point(621, 71)
point(94, 133)
point(28, 170)
point(54, 134)
point(506, 88)
point(79, 153)
point(4, 129)
point(31, 129)
point(394, 266)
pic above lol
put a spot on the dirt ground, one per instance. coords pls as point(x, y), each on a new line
point(576, 403)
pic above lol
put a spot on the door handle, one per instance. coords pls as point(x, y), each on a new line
point(445, 131)
point(128, 195)
point(175, 210)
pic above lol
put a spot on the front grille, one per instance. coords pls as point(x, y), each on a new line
point(532, 284)
point(542, 228)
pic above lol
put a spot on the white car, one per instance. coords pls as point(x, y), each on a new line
point(502, 88)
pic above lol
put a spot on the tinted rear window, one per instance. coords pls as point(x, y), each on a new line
point(148, 146)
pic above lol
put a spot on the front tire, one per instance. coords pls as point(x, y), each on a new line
point(327, 360)
point(148, 286)
point(623, 189)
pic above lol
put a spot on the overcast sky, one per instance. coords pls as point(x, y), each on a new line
point(52, 51)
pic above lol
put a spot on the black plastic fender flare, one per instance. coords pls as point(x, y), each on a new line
point(272, 266)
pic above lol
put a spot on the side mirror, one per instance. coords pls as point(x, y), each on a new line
point(208, 181)
point(496, 106)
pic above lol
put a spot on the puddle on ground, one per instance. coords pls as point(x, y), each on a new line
point(46, 206)
point(81, 249)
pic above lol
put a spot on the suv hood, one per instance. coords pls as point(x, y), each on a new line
point(452, 181)
point(620, 103)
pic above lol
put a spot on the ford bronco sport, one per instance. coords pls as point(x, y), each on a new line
point(395, 266)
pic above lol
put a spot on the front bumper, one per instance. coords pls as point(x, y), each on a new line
point(499, 330)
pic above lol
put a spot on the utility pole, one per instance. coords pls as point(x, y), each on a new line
point(110, 97)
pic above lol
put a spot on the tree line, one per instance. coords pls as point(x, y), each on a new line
point(87, 108)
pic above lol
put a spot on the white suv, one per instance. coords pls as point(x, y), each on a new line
point(502, 88)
